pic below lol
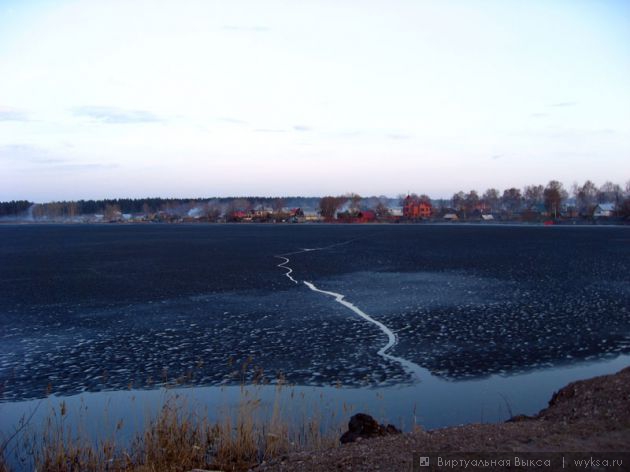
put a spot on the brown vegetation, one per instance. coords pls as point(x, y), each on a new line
point(178, 439)
point(590, 415)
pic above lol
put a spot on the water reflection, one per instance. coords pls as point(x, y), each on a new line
point(431, 403)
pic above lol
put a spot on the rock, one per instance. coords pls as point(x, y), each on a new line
point(564, 394)
point(519, 418)
point(362, 426)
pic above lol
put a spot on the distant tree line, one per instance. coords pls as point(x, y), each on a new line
point(530, 202)
point(552, 199)
point(176, 206)
point(14, 207)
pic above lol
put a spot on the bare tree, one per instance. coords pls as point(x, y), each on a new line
point(534, 195)
point(111, 212)
point(491, 199)
point(38, 211)
point(382, 210)
point(554, 194)
point(610, 193)
point(471, 201)
point(585, 197)
point(329, 205)
point(53, 210)
point(459, 202)
point(72, 209)
point(623, 208)
point(511, 200)
point(212, 210)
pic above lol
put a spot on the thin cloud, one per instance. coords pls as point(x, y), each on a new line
point(28, 153)
point(234, 121)
point(80, 167)
point(563, 104)
point(539, 115)
point(301, 128)
point(12, 114)
point(558, 132)
point(44, 160)
point(113, 115)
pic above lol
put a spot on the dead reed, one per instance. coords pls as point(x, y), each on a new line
point(179, 438)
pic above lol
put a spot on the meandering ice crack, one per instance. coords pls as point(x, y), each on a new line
point(410, 367)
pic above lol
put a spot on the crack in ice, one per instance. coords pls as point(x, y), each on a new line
point(410, 367)
point(392, 339)
point(282, 265)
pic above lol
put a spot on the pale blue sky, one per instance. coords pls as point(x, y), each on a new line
point(203, 98)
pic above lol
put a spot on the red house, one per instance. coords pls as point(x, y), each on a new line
point(366, 216)
point(414, 208)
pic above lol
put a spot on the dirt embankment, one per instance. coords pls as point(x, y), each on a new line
point(590, 415)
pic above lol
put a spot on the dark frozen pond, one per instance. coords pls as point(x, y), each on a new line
point(114, 307)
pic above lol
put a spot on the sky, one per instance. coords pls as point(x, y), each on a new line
point(106, 99)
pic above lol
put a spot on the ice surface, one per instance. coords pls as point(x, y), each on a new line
point(118, 307)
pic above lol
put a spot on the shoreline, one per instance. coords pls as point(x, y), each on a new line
point(589, 415)
point(561, 223)
point(583, 415)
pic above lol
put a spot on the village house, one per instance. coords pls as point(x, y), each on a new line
point(414, 208)
point(312, 216)
point(396, 212)
point(604, 210)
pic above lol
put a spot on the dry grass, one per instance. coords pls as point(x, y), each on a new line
point(180, 439)
point(3, 466)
